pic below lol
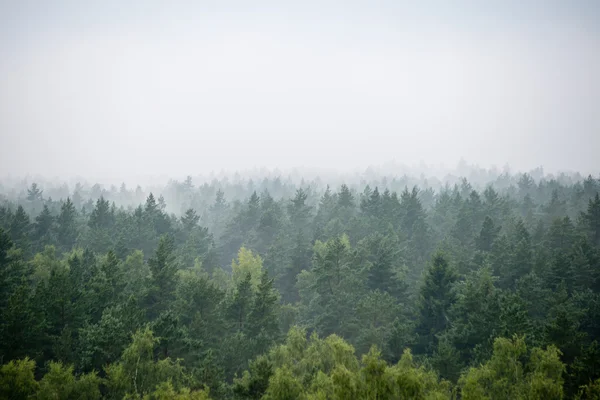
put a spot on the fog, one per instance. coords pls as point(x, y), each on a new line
point(305, 199)
point(112, 91)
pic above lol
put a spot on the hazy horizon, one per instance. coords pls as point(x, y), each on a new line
point(111, 91)
point(241, 200)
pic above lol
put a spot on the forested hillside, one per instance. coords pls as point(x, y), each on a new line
point(279, 289)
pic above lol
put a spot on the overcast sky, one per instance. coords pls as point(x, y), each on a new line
point(117, 90)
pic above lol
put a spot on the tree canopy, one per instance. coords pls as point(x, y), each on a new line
point(383, 288)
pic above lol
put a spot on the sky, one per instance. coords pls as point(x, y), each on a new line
point(111, 89)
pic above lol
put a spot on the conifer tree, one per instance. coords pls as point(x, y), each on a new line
point(163, 269)
point(436, 298)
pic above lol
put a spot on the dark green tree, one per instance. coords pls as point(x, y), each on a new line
point(43, 226)
point(591, 219)
point(241, 304)
point(67, 225)
point(34, 193)
point(345, 197)
point(262, 320)
point(189, 220)
point(488, 234)
point(436, 297)
point(20, 228)
point(163, 269)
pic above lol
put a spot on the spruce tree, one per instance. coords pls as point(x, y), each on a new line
point(67, 226)
point(163, 270)
point(435, 300)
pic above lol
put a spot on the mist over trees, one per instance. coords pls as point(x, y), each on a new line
point(478, 285)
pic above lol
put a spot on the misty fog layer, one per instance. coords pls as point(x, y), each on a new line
point(116, 91)
point(310, 200)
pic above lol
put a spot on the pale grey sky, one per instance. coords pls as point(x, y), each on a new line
point(103, 89)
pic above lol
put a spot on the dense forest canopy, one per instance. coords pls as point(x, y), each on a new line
point(480, 286)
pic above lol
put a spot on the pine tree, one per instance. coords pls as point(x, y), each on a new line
point(5, 245)
point(488, 234)
point(241, 304)
point(371, 204)
point(561, 234)
point(518, 257)
point(189, 220)
point(252, 211)
point(151, 208)
point(101, 216)
point(299, 211)
point(383, 261)
point(560, 272)
point(414, 224)
point(389, 205)
point(556, 208)
point(436, 297)
point(325, 213)
point(67, 228)
point(187, 184)
point(345, 197)
point(218, 213)
point(112, 270)
point(475, 315)
point(101, 237)
point(20, 224)
point(584, 259)
point(269, 224)
point(21, 325)
point(163, 270)
point(20, 228)
point(43, 224)
point(299, 260)
point(592, 219)
point(528, 210)
point(6, 216)
point(162, 204)
point(263, 316)
point(57, 298)
point(34, 193)
point(525, 184)
point(492, 203)
point(170, 335)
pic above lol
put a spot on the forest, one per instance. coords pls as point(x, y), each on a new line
point(276, 288)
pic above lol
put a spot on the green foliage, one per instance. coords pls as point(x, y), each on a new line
point(436, 298)
point(255, 380)
point(487, 235)
point(17, 379)
point(248, 263)
point(163, 277)
point(42, 229)
point(60, 383)
point(104, 341)
point(20, 229)
point(263, 322)
point(138, 373)
point(328, 368)
point(17, 382)
point(592, 219)
point(166, 391)
point(507, 376)
point(67, 225)
point(283, 386)
point(300, 292)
